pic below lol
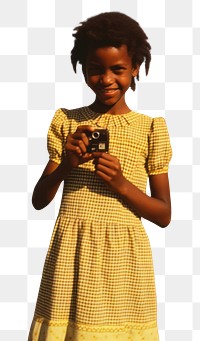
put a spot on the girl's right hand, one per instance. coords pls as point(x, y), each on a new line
point(76, 147)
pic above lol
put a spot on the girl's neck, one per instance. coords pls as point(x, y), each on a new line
point(112, 110)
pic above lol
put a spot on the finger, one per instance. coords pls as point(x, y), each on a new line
point(87, 157)
point(85, 128)
point(81, 145)
point(81, 136)
point(73, 148)
point(97, 154)
point(78, 140)
point(106, 177)
point(108, 168)
point(109, 161)
point(103, 155)
point(82, 133)
point(103, 162)
point(103, 169)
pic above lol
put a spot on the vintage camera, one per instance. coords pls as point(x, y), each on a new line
point(98, 140)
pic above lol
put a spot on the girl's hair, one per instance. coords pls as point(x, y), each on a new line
point(111, 29)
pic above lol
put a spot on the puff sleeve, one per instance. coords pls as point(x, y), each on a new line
point(159, 148)
point(55, 137)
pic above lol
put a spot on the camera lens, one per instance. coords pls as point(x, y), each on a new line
point(95, 135)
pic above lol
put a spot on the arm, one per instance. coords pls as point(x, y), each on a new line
point(48, 184)
point(155, 208)
point(54, 174)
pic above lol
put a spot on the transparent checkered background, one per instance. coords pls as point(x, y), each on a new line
point(36, 78)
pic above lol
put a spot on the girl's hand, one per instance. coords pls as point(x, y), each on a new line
point(109, 169)
point(76, 147)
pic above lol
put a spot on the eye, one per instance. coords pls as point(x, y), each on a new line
point(94, 70)
point(118, 69)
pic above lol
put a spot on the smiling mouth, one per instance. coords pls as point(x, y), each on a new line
point(108, 91)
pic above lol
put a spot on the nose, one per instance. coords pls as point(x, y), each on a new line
point(106, 78)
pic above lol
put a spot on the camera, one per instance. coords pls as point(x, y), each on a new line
point(98, 140)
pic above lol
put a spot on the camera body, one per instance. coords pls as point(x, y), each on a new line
point(98, 140)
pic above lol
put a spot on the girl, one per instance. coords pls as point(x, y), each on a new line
point(98, 278)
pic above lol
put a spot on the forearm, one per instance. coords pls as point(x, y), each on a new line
point(47, 187)
point(153, 209)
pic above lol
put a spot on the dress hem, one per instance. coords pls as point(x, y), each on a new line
point(66, 330)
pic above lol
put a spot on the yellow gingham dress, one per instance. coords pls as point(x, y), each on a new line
point(98, 278)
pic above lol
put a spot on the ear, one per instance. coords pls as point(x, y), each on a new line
point(135, 70)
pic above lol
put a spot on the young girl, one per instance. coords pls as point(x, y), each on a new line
point(98, 278)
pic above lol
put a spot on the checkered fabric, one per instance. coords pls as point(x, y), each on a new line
point(36, 78)
point(98, 276)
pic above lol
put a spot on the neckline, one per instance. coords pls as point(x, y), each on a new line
point(109, 114)
point(106, 120)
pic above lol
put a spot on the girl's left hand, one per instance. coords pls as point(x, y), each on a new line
point(109, 169)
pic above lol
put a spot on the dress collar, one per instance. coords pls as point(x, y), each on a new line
point(108, 120)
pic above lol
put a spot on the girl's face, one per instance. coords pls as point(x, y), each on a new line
point(109, 73)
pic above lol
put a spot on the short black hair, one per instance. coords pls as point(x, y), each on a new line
point(111, 29)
